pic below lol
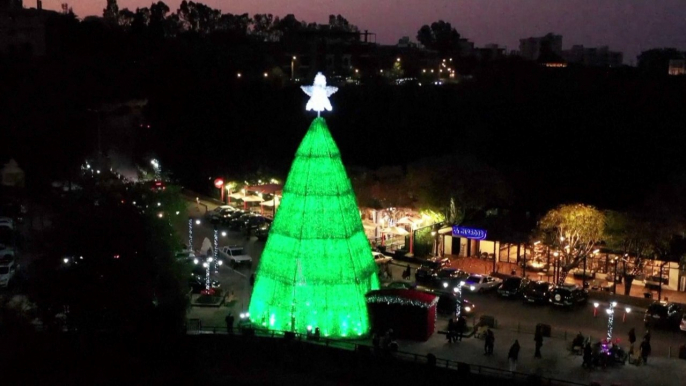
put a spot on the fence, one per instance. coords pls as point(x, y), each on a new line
point(365, 349)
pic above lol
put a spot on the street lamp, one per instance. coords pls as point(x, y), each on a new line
point(293, 66)
point(614, 277)
point(610, 320)
point(595, 309)
point(626, 311)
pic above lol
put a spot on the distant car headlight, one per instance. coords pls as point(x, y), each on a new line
point(468, 309)
point(461, 283)
point(472, 288)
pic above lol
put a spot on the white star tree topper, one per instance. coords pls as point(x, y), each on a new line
point(319, 94)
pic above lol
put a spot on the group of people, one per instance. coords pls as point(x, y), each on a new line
point(456, 329)
point(643, 349)
point(384, 342)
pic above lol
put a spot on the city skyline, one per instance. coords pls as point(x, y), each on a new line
point(627, 26)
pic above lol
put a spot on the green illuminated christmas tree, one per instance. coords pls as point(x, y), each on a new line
point(317, 264)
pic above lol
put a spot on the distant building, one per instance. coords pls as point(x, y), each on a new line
point(593, 56)
point(677, 67)
point(490, 52)
point(24, 31)
point(405, 42)
point(531, 48)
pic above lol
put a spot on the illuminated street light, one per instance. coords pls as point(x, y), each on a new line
point(265, 74)
point(223, 233)
point(66, 260)
point(238, 75)
point(595, 309)
point(627, 310)
point(197, 222)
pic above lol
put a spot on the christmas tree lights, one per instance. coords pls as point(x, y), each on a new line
point(317, 264)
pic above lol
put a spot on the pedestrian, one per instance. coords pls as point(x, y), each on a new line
point(513, 355)
point(588, 356)
point(407, 272)
point(490, 341)
point(252, 279)
point(460, 327)
point(451, 330)
point(376, 342)
point(229, 323)
point(645, 351)
point(646, 337)
point(538, 338)
point(632, 340)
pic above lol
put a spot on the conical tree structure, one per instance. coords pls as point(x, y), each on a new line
point(317, 264)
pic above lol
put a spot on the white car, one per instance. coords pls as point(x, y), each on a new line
point(7, 270)
point(481, 283)
point(6, 253)
point(380, 258)
point(235, 255)
point(7, 222)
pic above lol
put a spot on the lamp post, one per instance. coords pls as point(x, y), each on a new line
point(458, 292)
point(595, 309)
point(626, 311)
point(190, 233)
point(610, 320)
point(434, 234)
point(293, 59)
point(555, 264)
point(614, 277)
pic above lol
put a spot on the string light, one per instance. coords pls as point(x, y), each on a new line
point(317, 264)
point(190, 234)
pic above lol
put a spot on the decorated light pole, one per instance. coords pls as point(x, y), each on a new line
point(610, 320)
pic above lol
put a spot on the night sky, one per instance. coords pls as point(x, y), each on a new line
point(630, 26)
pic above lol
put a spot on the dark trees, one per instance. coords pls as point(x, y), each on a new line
point(440, 36)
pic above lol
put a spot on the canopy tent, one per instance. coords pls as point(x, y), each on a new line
point(396, 231)
point(276, 189)
point(409, 221)
point(267, 203)
point(237, 195)
point(252, 199)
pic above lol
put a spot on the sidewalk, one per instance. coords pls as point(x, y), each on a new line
point(556, 363)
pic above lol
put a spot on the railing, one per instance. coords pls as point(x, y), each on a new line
point(406, 356)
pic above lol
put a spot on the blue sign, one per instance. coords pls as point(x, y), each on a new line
point(470, 233)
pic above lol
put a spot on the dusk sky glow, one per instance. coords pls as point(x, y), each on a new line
point(630, 26)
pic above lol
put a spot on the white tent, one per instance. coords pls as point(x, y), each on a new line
point(252, 199)
point(206, 246)
point(395, 231)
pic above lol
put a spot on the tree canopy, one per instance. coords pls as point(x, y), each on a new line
point(440, 36)
point(572, 230)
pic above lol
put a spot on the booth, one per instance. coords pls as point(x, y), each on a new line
point(411, 314)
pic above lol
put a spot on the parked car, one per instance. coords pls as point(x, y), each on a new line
point(663, 314)
point(481, 283)
point(380, 258)
point(448, 278)
point(185, 256)
point(428, 268)
point(8, 269)
point(234, 255)
point(401, 285)
point(263, 231)
point(448, 302)
point(220, 214)
point(513, 287)
point(255, 222)
point(7, 222)
point(682, 325)
point(237, 223)
point(537, 292)
point(568, 295)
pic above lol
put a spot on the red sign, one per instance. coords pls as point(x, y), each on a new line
point(218, 183)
